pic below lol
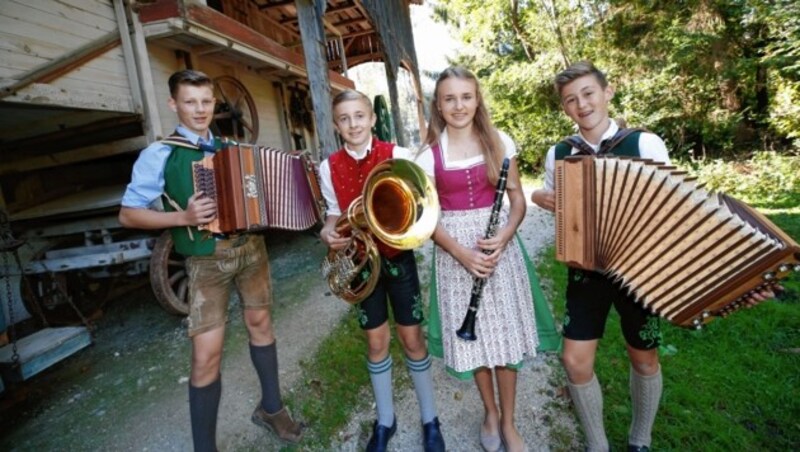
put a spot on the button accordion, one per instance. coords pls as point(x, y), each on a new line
point(686, 254)
point(259, 187)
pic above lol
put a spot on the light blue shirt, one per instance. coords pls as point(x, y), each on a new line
point(147, 179)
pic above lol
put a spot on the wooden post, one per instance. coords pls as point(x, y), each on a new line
point(310, 15)
point(394, 98)
point(152, 119)
point(423, 126)
point(392, 21)
point(128, 55)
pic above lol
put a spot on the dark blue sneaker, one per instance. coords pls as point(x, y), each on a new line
point(632, 448)
point(432, 438)
point(381, 436)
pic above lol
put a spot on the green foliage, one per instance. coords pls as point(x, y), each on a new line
point(765, 179)
point(709, 77)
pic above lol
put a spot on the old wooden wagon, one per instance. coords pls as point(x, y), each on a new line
point(83, 88)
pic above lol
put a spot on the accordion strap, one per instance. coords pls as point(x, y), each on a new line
point(606, 145)
point(179, 140)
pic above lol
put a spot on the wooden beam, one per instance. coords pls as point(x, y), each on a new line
point(310, 20)
point(206, 49)
point(84, 130)
point(337, 9)
point(358, 59)
point(74, 155)
point(44, 94)
point(128, 55)
point(356, 20)
point(152, 117)
point(356, 34)
point(64, 64)
point(277, 24)
point(276, 5)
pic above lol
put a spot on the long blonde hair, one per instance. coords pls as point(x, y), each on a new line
point(492, 146)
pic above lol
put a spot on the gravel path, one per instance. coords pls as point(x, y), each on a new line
point(458, 402)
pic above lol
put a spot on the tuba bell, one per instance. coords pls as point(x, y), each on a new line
point(398, 206)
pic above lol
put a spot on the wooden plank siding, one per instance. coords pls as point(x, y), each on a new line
point(34, 33)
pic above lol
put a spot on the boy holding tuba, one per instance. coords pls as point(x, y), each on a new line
point(343, 176)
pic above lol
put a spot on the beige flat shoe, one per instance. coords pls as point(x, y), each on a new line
point(490, 443)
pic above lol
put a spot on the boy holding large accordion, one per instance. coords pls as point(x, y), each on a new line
point(214, 264)
point(585, 95)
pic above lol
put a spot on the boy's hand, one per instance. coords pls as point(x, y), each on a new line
point(200, 209)
point(333, 239)
point(546, 199)
point(761, 296)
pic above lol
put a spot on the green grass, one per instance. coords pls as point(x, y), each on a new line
point(732, 386)
point(336, 382)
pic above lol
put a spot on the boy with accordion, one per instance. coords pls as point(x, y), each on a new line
point(585, 95)
point(214, 264)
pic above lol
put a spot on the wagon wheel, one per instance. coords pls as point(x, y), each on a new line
point(168, 276)
point(235, 113)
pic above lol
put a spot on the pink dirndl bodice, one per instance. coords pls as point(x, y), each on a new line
point(464, 188)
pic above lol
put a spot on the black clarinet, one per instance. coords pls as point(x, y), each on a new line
point(467, 330)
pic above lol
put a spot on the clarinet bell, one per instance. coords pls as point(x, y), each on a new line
point(467, 330)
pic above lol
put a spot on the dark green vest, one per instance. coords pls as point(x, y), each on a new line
point(628, 147)
point(179, 187)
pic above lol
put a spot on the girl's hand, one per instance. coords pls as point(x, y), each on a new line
point(476, 262)
point(496, 244)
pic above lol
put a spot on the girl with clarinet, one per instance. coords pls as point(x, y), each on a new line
point(480, 265)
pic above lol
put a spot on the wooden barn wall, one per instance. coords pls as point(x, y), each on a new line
point(35, 32)
point(163, 63)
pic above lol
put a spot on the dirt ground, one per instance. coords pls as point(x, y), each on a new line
point(129, 390)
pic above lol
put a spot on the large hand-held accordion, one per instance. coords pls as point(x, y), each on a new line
point(684, 253)
point(258, 187)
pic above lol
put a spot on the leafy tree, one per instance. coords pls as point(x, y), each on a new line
point(712, 77)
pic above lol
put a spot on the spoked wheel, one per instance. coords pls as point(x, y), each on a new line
point(235, 113)
point(168, 276)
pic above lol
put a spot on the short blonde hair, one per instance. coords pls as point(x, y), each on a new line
point(351, 94)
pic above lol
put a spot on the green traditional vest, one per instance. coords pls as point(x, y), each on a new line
point(179, 187)
point(627, 146)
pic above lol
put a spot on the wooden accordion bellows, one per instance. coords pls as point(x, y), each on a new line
point(258, 187)
point(684, 253)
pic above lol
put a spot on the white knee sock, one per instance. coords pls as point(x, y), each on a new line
point(645, 396)
point(381, 375)
point(588, 399)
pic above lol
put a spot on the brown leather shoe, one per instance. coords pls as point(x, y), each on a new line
point(280, 423)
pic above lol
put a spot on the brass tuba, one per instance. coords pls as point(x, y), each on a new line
point(400, 207)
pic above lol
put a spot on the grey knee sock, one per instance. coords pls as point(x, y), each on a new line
point(381, 375)
point(645, 396)
point(423, 384)
point(588, 399)
point(265, 360)
point(203, 407)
